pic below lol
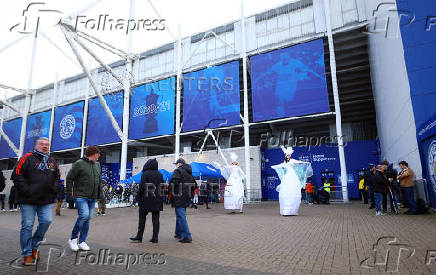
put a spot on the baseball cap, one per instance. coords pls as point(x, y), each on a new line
point(181, 161)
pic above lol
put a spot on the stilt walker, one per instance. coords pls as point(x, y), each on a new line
point(293, 175)
point(234, 190)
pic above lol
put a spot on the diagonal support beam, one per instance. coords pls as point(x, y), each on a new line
point(210, 133)
point(9, 142)
point(7, 103)
point(23, 91)
point(106, 108)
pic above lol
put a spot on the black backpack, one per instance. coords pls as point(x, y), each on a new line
point(421, 207)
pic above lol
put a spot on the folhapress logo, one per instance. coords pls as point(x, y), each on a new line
point(36, 15)
point(32, 18)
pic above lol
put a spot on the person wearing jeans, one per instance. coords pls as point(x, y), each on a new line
point(85, 208)
point(28, 242)
point(181, 183)
point(84, 184)
point(35, 177)
point(380, 189)
point(406, 178)
point(182, 228)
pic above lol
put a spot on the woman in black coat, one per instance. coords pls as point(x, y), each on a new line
point(150, 200)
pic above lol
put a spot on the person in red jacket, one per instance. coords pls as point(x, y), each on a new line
point(309, 192)
point(36, 178)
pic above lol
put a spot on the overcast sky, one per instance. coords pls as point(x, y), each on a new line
point(194, 16)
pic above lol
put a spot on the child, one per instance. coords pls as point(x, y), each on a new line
point(195, 196)
point(309, 192)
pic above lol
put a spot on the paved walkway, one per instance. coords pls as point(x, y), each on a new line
point(324, 239)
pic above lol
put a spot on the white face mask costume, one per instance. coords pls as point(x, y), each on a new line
point(293, 175)
point(234, 190)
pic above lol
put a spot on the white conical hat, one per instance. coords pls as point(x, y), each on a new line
point(287, 151)
point(233, 157)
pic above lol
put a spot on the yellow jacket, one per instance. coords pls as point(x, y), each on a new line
point(361, 184)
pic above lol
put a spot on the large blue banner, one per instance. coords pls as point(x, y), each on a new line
point(211, 97)
point(99, 129)
point(358, 154)
point(12, 129)
point(289, 82)
point(152, 109)
point(38, 125)
point(67, 127)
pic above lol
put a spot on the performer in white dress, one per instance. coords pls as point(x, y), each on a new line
point(293, 175)
point(234, 190)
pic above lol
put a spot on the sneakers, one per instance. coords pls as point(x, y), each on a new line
point(73, 245)
point(378, 213)
point(154, 241)
point(83, 246)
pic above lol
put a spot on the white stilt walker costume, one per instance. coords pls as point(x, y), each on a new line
point(293, 175)
point(234, 190)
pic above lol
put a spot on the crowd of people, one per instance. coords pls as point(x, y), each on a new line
point(382, 183)
point(38, 187)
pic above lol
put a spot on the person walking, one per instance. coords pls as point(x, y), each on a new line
point(150, 199)
point(2, 190)
point(84, 185)
point(180, 186)
point(406, 178)
point(60, 197)
point(36, 178)
point(12, 199)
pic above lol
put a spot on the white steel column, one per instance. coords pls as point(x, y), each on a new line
point(55, 92)
point(3, 115)
point(246, 121)
point(336, 100)
point(85, 117)
point(126, 103)
point(178, 93)
point(28, 95)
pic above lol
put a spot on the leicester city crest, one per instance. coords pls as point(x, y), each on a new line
point(67, 126)
point(431, 163)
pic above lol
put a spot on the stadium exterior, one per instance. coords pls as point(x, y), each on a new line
point(376, 90)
